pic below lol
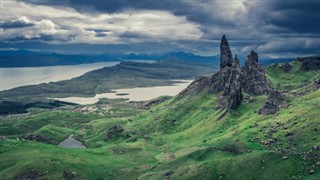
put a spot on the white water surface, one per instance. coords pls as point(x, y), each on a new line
point(133, 94)
point(15, 77)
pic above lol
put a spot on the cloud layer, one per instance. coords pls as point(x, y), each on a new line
point(273, 28)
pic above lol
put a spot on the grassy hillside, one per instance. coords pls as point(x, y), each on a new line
point(180, 138)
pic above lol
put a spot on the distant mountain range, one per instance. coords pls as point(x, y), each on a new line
point(25, 58)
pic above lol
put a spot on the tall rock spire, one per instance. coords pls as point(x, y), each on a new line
point(254, 80)
point(226, 55)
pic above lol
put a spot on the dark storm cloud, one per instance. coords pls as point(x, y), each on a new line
point(295, 16)
point(193, 10)
point(277, 26)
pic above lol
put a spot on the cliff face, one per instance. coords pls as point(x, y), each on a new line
point(253, 79)
point(232, 93)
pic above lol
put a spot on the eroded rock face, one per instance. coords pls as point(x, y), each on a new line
point(232, 93)
point(274, 102)
point(253, 79)
point(115, 131)
point(226, 55)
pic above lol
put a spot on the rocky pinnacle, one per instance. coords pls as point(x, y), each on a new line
point(226, 55)
point(232, 80)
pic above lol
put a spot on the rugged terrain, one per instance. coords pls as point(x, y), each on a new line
point(239, 123)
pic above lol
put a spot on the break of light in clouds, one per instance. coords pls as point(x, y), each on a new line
point(273, 28)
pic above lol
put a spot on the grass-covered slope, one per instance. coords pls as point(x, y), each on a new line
point(182, 138)
point(293, 79)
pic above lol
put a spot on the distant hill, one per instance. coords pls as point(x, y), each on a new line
point(25, 58)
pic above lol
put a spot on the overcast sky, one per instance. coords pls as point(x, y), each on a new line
point(274, 28)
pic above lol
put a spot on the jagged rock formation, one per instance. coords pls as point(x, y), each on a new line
point(253, 79)
point(274, 102)
point(310, 63)
point(232, 93)
point(226, 55)
point(231, 80)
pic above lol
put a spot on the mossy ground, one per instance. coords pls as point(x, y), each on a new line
point(185, 138)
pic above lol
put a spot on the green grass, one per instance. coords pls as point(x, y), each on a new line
point(290, 80)
point(184, 137)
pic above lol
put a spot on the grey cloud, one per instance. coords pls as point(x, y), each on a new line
point(267, 26)
point(17, 23)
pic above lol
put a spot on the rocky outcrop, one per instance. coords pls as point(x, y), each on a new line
point(274, 102)
point(231, 80)
point(38, 138)
point(310, 63)
point(286, 67)
point(226, 55)
point(114, 132)
point(253, 78)
point(232, 93)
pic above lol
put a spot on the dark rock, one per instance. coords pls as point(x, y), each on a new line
point(115, 131)
point(315, 148)
point(316, 84)
point(31, 174)
point(232, 93)
point(289, 134)
point(273, 103)
point(3, 138)
point(253, 79)
point(69, 175)
point(310, 63)
point(168, 174)
point(286, 67)
point(38, 138)
point(226, 55)
point(311, 171)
